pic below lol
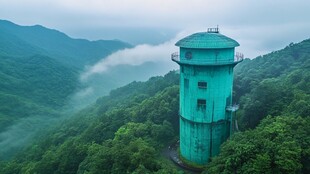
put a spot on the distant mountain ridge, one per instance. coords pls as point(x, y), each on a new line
point(126, 131)
point(39, 69)
point(16, 40)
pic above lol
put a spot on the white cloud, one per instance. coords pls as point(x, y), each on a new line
point(84, 92)
point(96, 19)
point(135, 56)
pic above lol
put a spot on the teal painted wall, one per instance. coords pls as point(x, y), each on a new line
point(219, 89)
point(208, 55)
point(203, 128)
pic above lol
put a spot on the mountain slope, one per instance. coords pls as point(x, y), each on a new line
point(37, 77)
point(126, 131)
point(35, 85)
point(39, 69)
point(278, 63)
point(28, 40)
point(142, 118)
point(273, 84)
point(275, 113)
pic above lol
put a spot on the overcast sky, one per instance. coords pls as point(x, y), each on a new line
point(259, 26)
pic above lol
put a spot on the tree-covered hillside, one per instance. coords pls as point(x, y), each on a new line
point(34, 85)
point(274, 84)
point(126, 131)
point(23, 41)
point(123, 132)
point(39, 72)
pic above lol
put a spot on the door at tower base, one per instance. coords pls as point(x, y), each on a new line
point(200, 141)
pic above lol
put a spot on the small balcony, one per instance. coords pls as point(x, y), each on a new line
point(176, 58)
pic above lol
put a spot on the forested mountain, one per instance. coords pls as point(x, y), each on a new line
point(18, 40)
point(125, 132)
point(34, 85)
point(39, 72)
point(18, 43)
point(122, 132)
point(273, 84)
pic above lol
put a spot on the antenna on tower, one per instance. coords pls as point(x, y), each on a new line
point(214, 30)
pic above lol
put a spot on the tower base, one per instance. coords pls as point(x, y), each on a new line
point(201, 141)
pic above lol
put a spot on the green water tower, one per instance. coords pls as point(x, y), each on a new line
point(206, 62)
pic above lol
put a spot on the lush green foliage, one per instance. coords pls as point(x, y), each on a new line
point(39, 70)
point(30, 86)
point(126, 131)
point(278, 145)
point(23, 41)
point(37, 78)
point(274, 84)
point(125, 135)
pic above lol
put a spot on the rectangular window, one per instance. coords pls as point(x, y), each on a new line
point(202, 85)
point(194, 71)
point(186, 83)
point(201, 104)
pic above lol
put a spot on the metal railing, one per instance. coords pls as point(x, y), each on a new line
point(175, 56)
point(237, 58)
point(213, 30)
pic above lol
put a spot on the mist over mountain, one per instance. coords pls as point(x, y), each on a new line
point(41, 76)
point(59, 115)
point(29, 40)
point(127, 130)
point(39, 72)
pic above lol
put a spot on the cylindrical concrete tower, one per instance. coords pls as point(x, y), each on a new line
point(206, 62)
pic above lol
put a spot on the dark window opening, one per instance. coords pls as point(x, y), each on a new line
point(186, 83)
point(188, 55)
point(201, 104)
point(202, 85)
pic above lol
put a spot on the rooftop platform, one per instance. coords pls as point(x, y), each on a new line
point(176, 58)
point(207, 40)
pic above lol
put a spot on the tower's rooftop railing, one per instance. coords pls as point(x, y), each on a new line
point(176, 58)
point(213, 30)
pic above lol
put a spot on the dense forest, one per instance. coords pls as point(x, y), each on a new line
point(274, 95)
point(39, 74)
point(24, 41)
point(39, 69)
point(127, 130)
point(122, 132)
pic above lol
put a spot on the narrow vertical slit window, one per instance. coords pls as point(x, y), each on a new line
point(186, 83)
point(185, 96)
